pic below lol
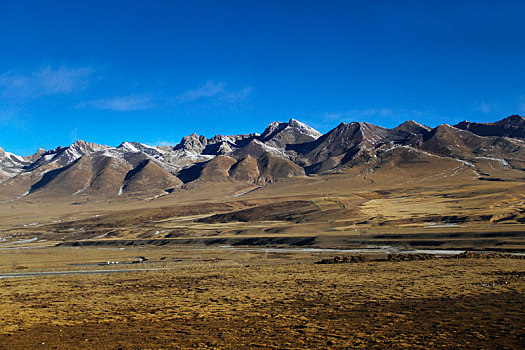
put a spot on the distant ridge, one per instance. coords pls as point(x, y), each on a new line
point(282, 150)
point(513, 126)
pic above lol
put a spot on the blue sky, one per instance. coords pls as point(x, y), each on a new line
point(154, 71)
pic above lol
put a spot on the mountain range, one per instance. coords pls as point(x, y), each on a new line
point(282, 150)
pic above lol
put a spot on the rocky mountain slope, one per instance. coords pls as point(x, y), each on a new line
point(283, 150)
point(513, 126)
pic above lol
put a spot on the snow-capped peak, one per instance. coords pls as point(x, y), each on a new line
point(303, 128)
point(128, 147)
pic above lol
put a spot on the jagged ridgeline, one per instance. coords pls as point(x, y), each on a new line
point(282, 151)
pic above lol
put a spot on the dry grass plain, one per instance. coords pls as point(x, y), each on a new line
point(442, 205)
point(193, 292)
point(224, 299)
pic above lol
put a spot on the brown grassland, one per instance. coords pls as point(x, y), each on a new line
point(211, 282)
point(216, 299)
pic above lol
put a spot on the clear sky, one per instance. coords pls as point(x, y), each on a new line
point(154, 71)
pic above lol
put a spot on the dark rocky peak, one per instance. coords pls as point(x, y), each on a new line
point(36, 156)
point(256, 148)
point(140, 147)
point(304, 130)
point(294, 123)
point(128, 147)
point(218, 148)
point(66, 155)
point(346, 136)
point(276, 128)
point(514, 119)
point(345, 142)
point(10, 159)
point(442, 130)
point(194, 138)
point(87, 147)
point(233, 139)
point(337, 141)
point(413, 127)
point(366, 135)
point(222, 145)
point(449, 141)
point(279, 134)
point(53, 151)
point(272, 129)
point(39, 152)
point(373, 134)
point(343, 136)
point(193, 143)
point(512, 126)
point(463, 144)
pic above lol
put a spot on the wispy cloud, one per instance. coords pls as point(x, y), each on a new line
point(120, 104)
point(217, 91)
point(210, 89)
point(45, 81)
point(499, 108)
point(236, 96)
point(487, 107)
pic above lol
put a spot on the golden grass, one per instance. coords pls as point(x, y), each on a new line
point(222, 299)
